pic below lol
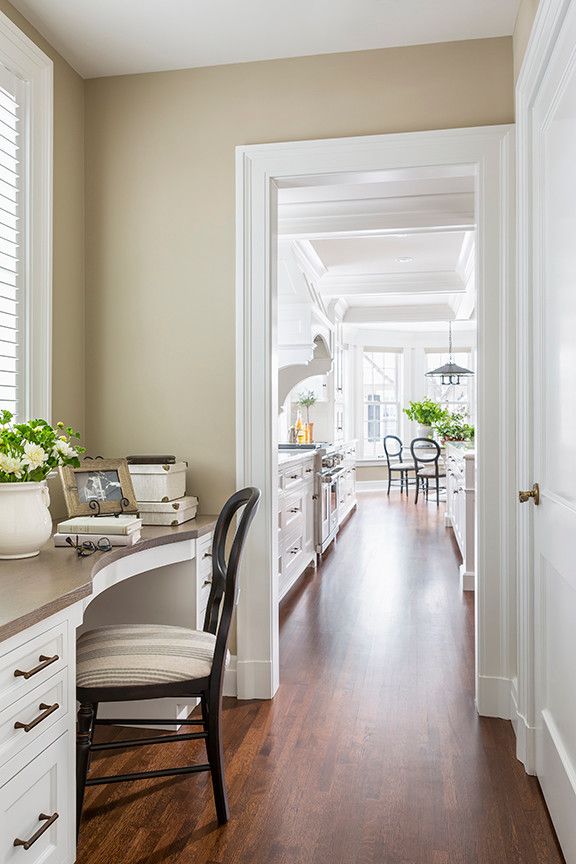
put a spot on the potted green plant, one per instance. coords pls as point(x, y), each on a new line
point(28, 453)
point(454, 427)
point(425, 413)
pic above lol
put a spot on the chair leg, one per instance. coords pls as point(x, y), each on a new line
point(437, 491)
point(389, 480)
point(215, 752)
point(83, 741)
point(417, 489)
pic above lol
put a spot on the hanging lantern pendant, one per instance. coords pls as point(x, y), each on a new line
point(450, 373)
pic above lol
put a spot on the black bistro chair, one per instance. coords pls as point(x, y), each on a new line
point(148, 661)
point(393, 448)
point(426, 456)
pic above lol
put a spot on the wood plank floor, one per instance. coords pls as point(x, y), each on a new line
point(371, 753)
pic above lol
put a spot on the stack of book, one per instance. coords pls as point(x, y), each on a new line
point(119, 530)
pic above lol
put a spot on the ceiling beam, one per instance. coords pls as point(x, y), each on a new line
point(434, 282)
point(383, 314)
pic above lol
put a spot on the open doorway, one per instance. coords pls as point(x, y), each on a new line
point(263, 172)
point(376, 280)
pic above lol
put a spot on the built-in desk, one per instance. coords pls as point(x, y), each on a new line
point(42, 603)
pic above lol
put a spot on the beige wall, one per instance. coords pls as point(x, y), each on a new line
point(524, 22)
point(160, 219)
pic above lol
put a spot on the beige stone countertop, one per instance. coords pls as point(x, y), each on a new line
point(32, 589)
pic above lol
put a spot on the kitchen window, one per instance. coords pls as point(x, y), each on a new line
point(381, 387)
point(456, 398)
point(25, 225)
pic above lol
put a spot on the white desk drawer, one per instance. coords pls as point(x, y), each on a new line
point(38, 791)
point(28, 665)
point(32, 715)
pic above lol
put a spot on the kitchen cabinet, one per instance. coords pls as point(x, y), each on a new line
point(296, 503)
point(461, 506)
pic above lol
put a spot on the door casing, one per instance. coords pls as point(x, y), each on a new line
point(260, 171)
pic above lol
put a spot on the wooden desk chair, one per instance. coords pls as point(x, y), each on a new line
point(149, 661)
point(393, 448)
point(426, 456)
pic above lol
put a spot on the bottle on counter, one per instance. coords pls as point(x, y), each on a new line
point(292, 435)
point(299, 427)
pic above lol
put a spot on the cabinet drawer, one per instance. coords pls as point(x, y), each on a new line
point(35, 810)
point(28, 665)
point(34, 713)
point(292, 477)
point(293, 511)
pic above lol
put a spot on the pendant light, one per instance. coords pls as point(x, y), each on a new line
point(450, 373)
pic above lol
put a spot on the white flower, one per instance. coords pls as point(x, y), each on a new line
point(34, 456)
point(64, 449)
point(10, 465)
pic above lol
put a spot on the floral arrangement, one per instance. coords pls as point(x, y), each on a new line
point(307, 400)
point(30, 451)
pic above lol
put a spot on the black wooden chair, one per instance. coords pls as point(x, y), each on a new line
point(426, 456)
point(393, 448)
point(133, 662)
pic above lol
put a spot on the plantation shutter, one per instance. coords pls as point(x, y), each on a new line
point(13, 348)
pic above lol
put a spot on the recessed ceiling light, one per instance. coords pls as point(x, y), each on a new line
point(404, 260)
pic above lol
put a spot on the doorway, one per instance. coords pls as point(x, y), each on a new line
point(261, 172)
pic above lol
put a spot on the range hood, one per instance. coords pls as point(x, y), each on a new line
point(290, 376)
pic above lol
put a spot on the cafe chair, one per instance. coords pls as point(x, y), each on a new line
point(393, 448)
point(128, 662)
point(426, 456)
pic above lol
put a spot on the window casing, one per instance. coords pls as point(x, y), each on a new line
point(26, 131)
point(381, 396)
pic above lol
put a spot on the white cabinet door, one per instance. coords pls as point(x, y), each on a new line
point(554, 464)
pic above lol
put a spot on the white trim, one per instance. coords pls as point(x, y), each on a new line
point(260, 170)
point(547, 26)
point(27, 61)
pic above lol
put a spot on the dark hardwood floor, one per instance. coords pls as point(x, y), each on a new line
point(371, 753)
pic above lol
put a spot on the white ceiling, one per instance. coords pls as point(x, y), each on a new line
point(119, 37)
point(411, 253)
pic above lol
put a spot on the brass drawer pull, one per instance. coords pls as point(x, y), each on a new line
point(46, 711)
point(48, 821)
point(44, 663)
point(207, 555)
point(207, 582)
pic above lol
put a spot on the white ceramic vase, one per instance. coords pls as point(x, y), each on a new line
point(25, 521)
point(424, 432)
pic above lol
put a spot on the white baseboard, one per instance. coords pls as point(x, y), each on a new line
point(230, 687)
point(467, 580)
point(253, 679)
point(525, 734)
point(494, 699)
point(557, 776)
point(147, 709)
point(372, 485)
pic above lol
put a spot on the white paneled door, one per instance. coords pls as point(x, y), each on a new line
point(554, 391)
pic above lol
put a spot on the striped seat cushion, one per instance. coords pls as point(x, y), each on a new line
point(136, 654)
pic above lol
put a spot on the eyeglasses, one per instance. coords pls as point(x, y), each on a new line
point(86, 548)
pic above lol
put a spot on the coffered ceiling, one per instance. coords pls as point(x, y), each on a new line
point(120, 37)
point(393, 251)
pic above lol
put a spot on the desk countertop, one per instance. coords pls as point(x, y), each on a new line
point(32, 589)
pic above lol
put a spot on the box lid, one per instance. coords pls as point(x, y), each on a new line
point(186, 503)
point(176, 468)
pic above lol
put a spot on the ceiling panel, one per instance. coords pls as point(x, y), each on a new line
point(109, 37)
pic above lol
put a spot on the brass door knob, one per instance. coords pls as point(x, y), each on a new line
point(533, 494)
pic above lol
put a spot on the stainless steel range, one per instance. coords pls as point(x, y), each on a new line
point(329, 472)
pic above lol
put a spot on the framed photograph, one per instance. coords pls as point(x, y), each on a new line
point(98, 486)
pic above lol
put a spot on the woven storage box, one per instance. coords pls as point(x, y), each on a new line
point(168, 512)
point(159, 482)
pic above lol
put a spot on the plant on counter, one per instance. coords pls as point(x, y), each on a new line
point(307, 400)
point(425, 413)
point(30, 451)
point(453, 427)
